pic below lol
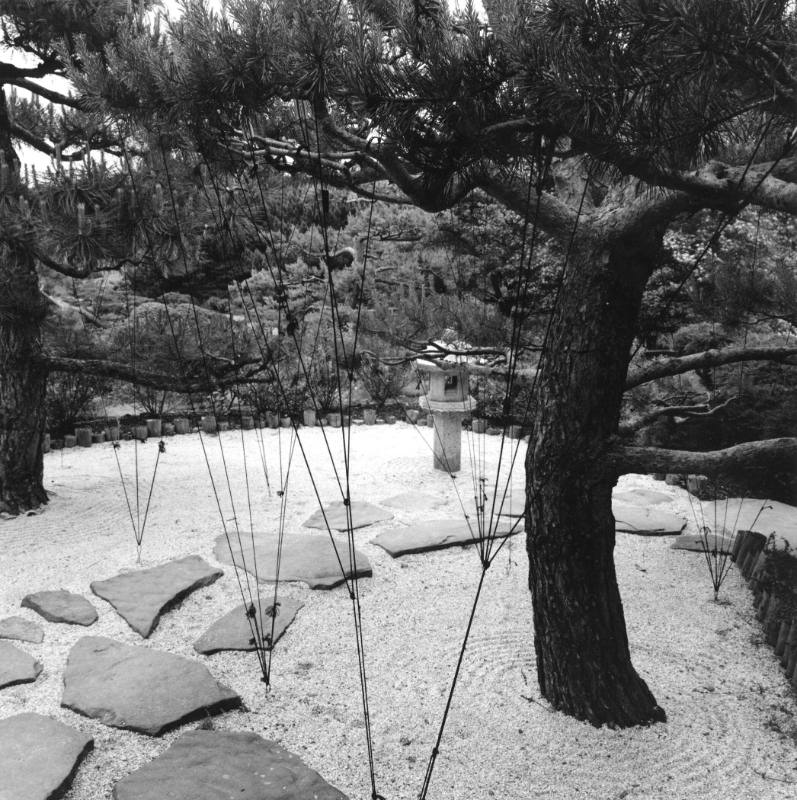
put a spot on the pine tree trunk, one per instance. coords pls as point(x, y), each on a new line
point(23, 382)
point(583, 661)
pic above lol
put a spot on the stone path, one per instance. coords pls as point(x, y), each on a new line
point(234, 632)
point(737, 514)
point(21, 629)
point(692, 541)
point(646, 520)
point(306, 557)
point(140, 597)
point(216, 765)
point(138, 688)
point(415, 501)
point(434, 535)
point(39, 757)
point(16, 666)
point(61, 606)
point(363, 514)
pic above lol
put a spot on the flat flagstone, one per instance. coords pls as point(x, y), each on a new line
point(362, 513)
point(39, 757)
point(234, 631)
point(16, 666)
point(737, 514)
point(138, 688)
point(722, 545)
point(641, 497)
point(646, 520)
point(58, 605)
point(414, 501)
point(433, 535)
point(21, 629)
point(221, 765)
point(141, 596)
point(307, 557)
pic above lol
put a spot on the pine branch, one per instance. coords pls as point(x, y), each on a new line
point(767, 453)
point(700, 410)
point(667, 367)
point(47, 94)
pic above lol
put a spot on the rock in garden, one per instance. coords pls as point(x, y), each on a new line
point(61, 606)
point(722, 545)
point(749, 514)
point(142, 596)
point(237, 630)
point(435, 536)
point(39, 757)
point(21, 629)
point(219, 765)
point(641, 497)
point(307, 557)
point(415, 501)
point(16, 666)
point(334, 516)
point(138, 688)
point(646, 520)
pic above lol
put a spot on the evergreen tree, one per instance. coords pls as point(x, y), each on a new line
point(603, 123)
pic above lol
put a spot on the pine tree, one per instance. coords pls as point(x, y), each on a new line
point(603, 123)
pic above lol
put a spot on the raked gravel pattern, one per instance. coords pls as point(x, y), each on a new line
point(731, 729)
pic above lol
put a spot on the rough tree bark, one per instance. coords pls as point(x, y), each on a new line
point(583, 660)
point(23, 383)
point(23, 372)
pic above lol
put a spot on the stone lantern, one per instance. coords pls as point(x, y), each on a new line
point(448, 401)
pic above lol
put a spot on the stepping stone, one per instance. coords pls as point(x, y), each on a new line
point(16, 666)
point(220, 765)
point(692, 541)
point(21, 629)
point(510, 501)
point(362, 513)
point(234, 632)
point(640, 497)
point(306, 557)
point(61, 606)
point(39, 757)
point(414, 501)
point(746, 515)
point(433, 536)
point(138, 688)
point(646, 520)
point(142, 596)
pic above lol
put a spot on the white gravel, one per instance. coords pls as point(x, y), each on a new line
point(731, 728)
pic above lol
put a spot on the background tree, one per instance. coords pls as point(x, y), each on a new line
point(579, 91)
point(602, 123)
point(30, 35)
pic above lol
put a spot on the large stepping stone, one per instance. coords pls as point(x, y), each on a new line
point(140, 597)
point(721, 545)
point(39, 757)
point(138, 688)
point(746, 514)
point(59, 605)
point(16, 666)
point(646, 520)
point(234, 632)
point(508, 499)
point(362, 514)
point(219, 765)
point(414, 501)
point(21, 629)
point(306, 557)
point(434, 535)
point(640, 497)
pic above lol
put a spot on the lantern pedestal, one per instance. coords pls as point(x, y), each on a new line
point(448, 403)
